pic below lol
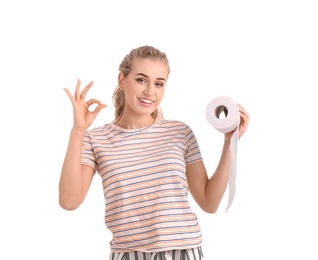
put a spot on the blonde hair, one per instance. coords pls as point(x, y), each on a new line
point(143, 52)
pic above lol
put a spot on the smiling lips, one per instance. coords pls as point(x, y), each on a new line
point(146, 101)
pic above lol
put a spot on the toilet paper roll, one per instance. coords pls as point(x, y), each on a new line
point(223, 114)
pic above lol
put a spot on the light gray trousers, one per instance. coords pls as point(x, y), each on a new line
point(185, 254)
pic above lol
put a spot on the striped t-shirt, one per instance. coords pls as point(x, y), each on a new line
point(145, 185)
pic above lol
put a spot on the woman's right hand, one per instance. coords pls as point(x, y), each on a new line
point(83, 117)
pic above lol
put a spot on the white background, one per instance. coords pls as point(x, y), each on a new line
point(261, 53)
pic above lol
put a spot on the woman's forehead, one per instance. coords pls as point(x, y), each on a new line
point(151, 68)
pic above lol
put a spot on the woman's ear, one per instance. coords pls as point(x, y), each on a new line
point(121, 80)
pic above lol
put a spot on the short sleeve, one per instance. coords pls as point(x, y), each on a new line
point(88, 155)
point(192, 153)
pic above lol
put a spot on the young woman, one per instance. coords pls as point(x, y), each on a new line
point(147, 165)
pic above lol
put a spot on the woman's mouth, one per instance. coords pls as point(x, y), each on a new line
point(146, 101)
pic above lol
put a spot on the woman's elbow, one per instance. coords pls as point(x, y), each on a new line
point(210, 208)
point(67, 205)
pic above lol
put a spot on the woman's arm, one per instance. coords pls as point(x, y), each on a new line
point(76, 178)
point(208, 192)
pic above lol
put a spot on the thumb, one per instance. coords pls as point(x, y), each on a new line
point(98, 109)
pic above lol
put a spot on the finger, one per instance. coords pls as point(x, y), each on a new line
point(243, 111)
point(244, 120)
point(93, 101)
point(99, 106)
point(243, 125)
point(77, 90)
point(85, 90)
point(69, 94)
point(98, 109)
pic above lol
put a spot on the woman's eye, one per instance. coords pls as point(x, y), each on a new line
point(159, 84)
point(141, 80)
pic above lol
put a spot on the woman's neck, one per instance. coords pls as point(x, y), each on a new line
point(130, 122)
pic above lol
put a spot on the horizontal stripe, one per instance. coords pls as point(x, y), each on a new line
point(145, 185)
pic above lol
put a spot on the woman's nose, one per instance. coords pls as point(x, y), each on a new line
point(149, 90)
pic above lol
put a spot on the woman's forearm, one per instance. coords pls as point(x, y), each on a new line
point(70, 186)
point(217, 184)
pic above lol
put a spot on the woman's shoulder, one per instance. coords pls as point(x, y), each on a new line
point(98, 129)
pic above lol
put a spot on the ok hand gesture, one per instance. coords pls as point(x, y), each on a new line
point(83, 117)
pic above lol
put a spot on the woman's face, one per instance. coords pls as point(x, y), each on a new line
point(144, 86)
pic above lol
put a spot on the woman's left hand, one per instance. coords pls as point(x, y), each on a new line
point(244, 119)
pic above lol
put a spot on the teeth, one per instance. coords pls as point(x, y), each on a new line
point(146, 101)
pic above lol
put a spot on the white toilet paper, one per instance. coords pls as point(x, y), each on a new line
point(222, 113)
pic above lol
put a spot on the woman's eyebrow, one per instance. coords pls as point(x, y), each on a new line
point(141, 74)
